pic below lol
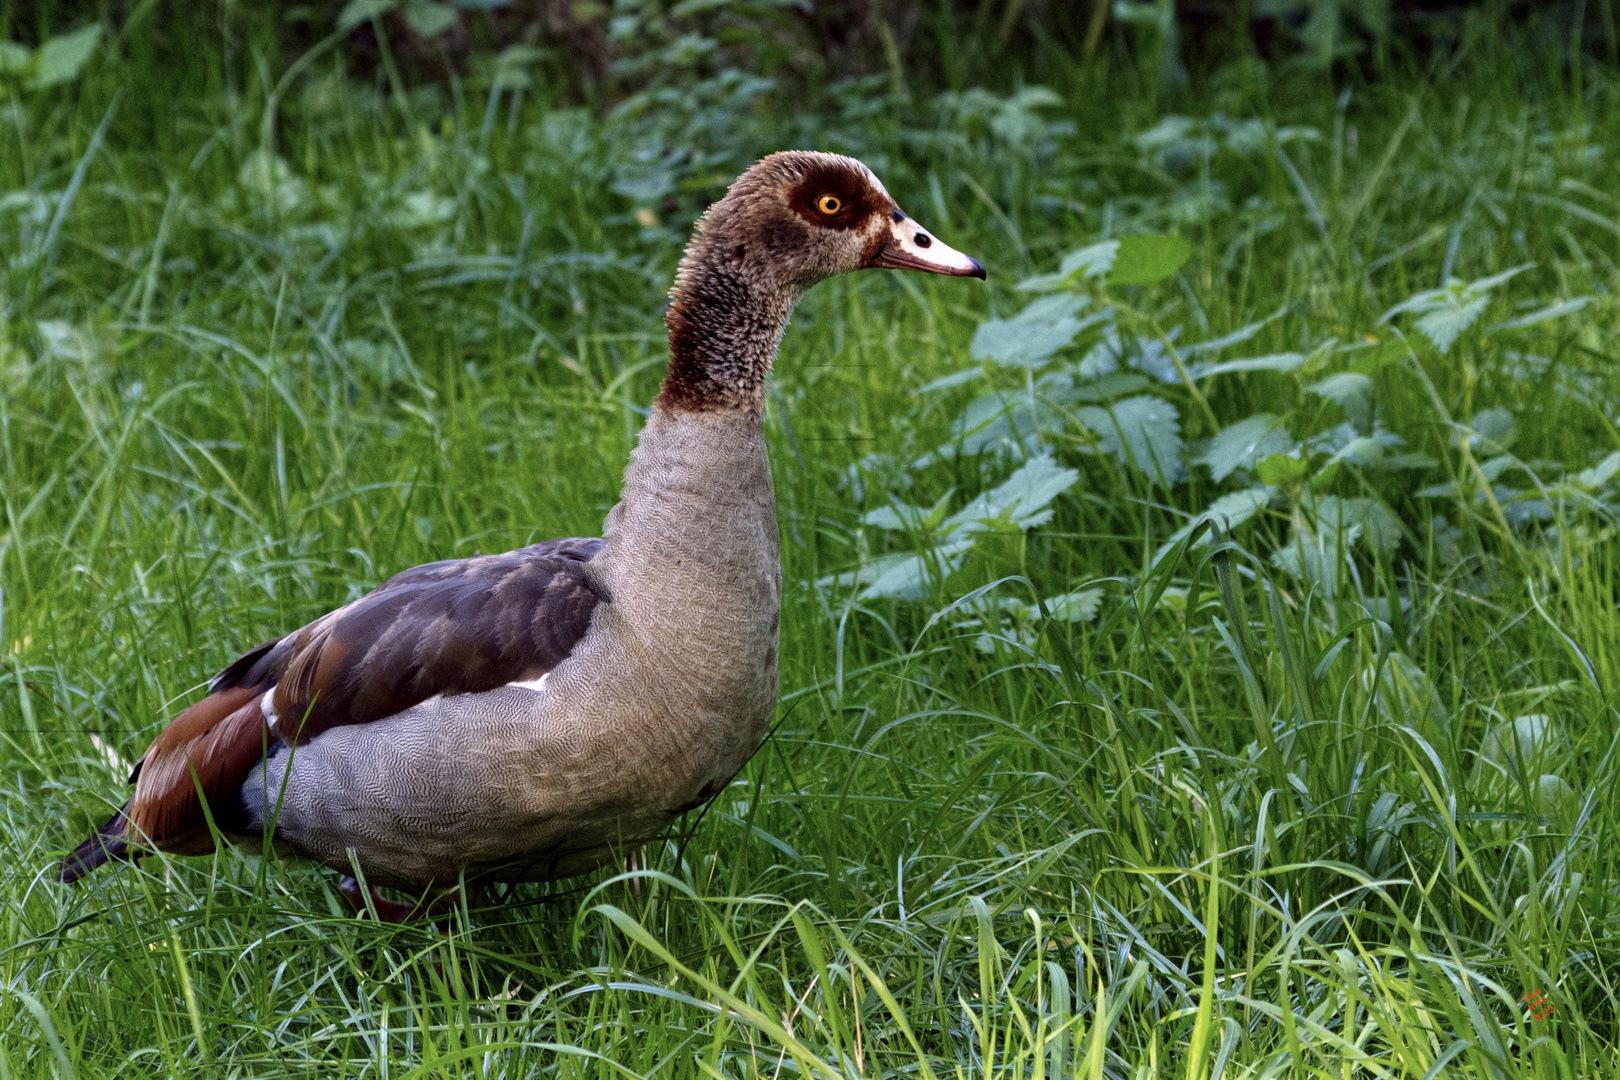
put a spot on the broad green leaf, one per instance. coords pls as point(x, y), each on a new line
point(1144, 432)
point(60, 59)
point(1353, 392)
point(1148, 257)
point(1282, 471)
point(1021, 500)
point(1244, 444)
point(1029, 338)
point(429, 19)
point(1552, 311)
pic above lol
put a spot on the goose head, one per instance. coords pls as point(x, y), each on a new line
point(798, 216)
point(791, 220)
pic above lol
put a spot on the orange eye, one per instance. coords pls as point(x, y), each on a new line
point(829, 204)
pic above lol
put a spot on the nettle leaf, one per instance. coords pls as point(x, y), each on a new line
point(951, 381)
point(1144, 432)
point(1229, 511)
point(1006, 421)
point(910, 577)
point(1282, 362)
point(1021, 500)
point(903, 517)
point(60, 59)
point(1443, 315)
point(1316, 556)
point(1370, 518)
point(1353, 392)
point(429, 19)
point(1244, 444)
point(1093, 260)
point(1029, 338)
point(1372, 357)
point(1527, 740)
point(1556, 310)
point(356, 12)
point(1599, 474)
point(1148, 257)
point(1088, 262)
point(903, 575)
point(1361, 450)
point(1074, 607)
point(15, 59)
point(1444, 325)
point(1493, 430)
point(1238, 336)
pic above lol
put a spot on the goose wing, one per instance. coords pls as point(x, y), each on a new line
point(456, 627)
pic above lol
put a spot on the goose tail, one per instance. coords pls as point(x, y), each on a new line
point(104, 845)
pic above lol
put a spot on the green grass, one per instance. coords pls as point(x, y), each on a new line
point(1187, 836)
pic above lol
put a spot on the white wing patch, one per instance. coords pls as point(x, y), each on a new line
point(537, 685)
point(267, 705)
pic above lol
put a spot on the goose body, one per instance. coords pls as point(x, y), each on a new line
point(534, 714)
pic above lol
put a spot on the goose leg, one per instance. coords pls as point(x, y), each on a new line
point(387, 910)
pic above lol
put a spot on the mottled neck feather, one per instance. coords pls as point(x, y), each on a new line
point(726, 317)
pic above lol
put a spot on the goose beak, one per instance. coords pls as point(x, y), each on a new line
point(912, 247)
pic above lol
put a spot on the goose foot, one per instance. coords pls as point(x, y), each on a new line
point(386, 910)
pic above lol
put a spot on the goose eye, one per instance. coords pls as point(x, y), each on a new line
point(829, 204)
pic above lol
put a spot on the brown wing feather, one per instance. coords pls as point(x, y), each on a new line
point(445, 628)
point(455, 627)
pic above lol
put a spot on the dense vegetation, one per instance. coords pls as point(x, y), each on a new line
point(1199, 654)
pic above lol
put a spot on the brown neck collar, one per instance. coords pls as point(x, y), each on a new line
point(726, 318)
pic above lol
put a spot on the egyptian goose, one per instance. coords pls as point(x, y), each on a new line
point(533, 715)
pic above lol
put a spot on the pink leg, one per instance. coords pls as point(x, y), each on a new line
point(387, 910)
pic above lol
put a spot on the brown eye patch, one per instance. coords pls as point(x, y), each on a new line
point(832, 197)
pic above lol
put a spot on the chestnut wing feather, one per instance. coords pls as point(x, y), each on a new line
point(456, 627)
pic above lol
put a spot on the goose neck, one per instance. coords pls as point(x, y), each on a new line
point(726, 320)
